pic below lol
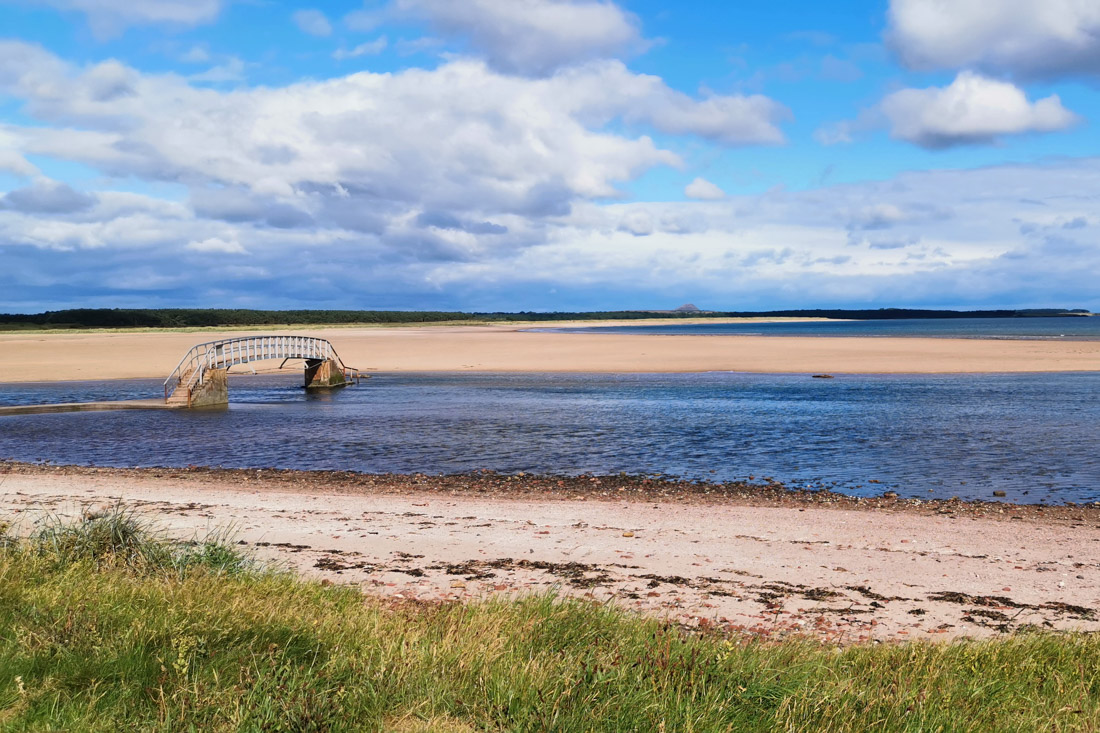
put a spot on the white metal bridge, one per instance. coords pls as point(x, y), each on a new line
point(223, 354)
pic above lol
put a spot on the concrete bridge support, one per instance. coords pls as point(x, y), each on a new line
point(324, 374)
point(214, 390)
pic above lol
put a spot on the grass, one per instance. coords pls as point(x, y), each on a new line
point(106, 626)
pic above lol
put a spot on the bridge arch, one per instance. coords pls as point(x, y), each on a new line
point(200, 379)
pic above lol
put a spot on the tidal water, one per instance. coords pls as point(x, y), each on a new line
point(1070, 328)
point(1036, 437)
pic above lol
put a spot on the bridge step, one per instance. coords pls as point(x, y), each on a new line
point(180, 394)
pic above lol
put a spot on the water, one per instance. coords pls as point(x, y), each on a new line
point(1070, 328)
point(1034, 436)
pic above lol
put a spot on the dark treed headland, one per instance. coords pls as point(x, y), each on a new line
point(208, 317)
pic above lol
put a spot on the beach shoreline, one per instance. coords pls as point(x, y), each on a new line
point(58, 356)
point(771, 562)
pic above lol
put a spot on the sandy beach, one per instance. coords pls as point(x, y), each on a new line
point(772, 563)
point(34, 357)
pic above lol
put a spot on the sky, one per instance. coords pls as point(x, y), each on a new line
point(549, 155)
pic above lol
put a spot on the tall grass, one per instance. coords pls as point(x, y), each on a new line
point(128, 641)
point(116, 537)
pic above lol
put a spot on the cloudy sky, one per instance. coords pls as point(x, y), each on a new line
point(549, 154)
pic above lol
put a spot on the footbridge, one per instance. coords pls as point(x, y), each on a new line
point(201, 377)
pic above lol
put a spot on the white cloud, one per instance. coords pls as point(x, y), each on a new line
point(109, 18)
point(998, 235)
point(637, 222)
point(11, 160)
point(533, 36)
point(1028, 38)
point(461, 187)
point(973, 109)
point(703, 190)
point(217, 245)
point(373, 147)
point(312, 21)
point(606, 90)
point(370, 48)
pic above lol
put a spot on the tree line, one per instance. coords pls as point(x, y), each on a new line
point(215, 317)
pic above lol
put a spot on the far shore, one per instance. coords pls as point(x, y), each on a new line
point(38, 356)
point(761, 559)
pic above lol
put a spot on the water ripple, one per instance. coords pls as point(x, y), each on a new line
point(1033, 436)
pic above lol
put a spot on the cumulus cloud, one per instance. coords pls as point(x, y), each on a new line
point(312, 21)
point(1022, 37)
point(703, 190)
point(109, 18)
point(460, 138)
point(47, 197)
point(972, 109)
point(533, 36)
point(600, 92)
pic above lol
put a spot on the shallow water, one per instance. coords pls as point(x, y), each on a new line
point(1071, 328)
point(1035, 436)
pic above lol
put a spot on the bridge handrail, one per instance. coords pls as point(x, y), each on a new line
point(203, 356)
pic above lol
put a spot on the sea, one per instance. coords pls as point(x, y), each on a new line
point(1067, 328)
point(1035, 437)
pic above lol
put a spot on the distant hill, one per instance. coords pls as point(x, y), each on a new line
point(210, 317)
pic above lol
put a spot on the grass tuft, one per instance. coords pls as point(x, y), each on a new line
point(112, 536)
point(116, 537)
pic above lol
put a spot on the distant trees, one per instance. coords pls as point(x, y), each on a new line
point(209, 317)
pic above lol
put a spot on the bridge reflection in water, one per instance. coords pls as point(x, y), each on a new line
point(200, 379)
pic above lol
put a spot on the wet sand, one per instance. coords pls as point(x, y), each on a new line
point(35, 357)
point(767, 561)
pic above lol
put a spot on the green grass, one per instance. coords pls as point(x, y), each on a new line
point(106, 626)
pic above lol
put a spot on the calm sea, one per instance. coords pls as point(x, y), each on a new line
point(1036, 437)
point(1072, 328)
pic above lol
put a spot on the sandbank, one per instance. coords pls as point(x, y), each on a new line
point(836, 571)
point(59, 356)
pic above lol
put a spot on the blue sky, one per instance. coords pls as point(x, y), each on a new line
point(549, 154)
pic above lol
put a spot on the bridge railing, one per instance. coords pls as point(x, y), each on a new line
point(225, 353)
